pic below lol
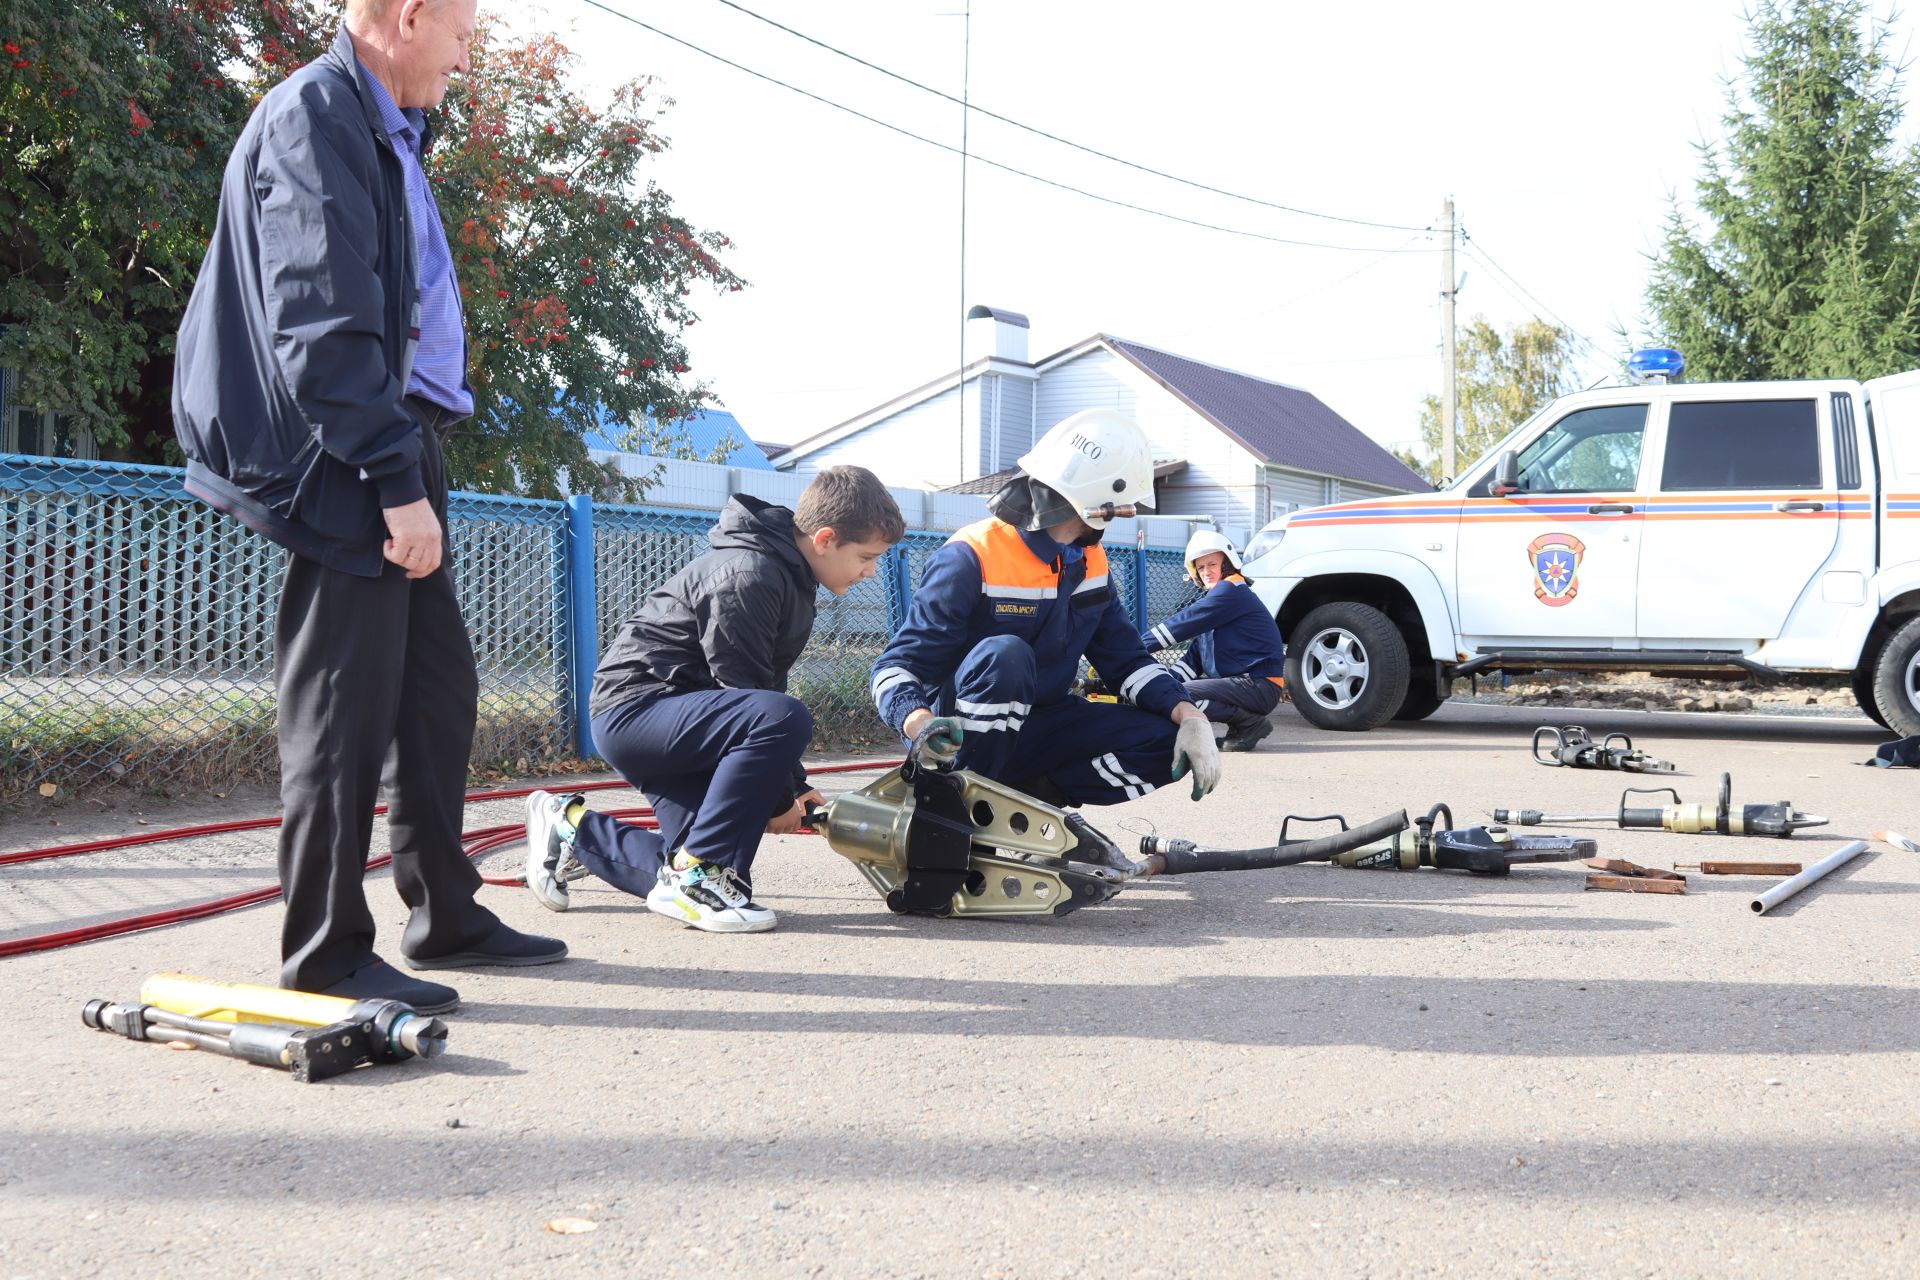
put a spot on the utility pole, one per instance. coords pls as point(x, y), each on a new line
point(1449, 390)
point(966, 116)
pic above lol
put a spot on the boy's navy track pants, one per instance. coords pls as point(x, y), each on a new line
point(714, 764)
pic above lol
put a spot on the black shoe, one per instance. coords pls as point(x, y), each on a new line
point(1244, 739)
point(504, 946)
point(378, 980)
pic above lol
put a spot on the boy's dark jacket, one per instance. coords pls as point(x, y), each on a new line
point(738, 617)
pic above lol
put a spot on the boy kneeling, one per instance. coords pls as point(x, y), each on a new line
point(689, 704)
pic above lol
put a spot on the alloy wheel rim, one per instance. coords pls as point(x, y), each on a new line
point(1335, 668)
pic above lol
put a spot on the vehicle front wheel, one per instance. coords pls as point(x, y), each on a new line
point(1863, 693)
point(1422, 700)
point(1347, 667)
point(1896, 680)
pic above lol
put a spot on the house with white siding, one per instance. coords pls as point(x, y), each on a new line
point(1229, 445)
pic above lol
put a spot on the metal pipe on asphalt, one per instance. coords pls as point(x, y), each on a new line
point(1787, 888)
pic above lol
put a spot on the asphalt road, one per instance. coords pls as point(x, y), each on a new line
point(1303, 1071)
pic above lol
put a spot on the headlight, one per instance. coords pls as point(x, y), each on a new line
point(1264, 541)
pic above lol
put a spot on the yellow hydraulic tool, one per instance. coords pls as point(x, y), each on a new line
point(1779, 819)
point(313, 1036)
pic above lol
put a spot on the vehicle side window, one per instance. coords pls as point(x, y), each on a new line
point(1742, 444)
point(1588, 451)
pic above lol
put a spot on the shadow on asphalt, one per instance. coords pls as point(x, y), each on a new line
point(1516, 725)
point(1507, 1017)
point(522, 1160)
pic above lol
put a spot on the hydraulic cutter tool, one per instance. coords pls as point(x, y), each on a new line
point(313, 1036)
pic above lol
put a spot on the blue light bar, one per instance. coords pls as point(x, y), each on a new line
point(1656, 365)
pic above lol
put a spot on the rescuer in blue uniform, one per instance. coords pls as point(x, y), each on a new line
point(1234, 669)
point(981, 674)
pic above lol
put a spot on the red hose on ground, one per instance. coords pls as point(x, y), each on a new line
point(244, 824)
point(475, 843)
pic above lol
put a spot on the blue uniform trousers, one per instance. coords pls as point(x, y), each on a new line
point(714, 764)
point(1096, 752)
point(1235, 701)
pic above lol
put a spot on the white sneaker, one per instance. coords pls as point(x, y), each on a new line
point(710, 898)
point(550, 849)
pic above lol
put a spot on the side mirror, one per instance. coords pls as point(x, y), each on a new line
point(1506, 475)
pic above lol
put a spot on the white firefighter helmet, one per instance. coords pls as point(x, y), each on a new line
point(1206, 540)
point(1092, 459)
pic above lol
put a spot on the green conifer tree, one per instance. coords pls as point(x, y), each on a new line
point(1805, 258)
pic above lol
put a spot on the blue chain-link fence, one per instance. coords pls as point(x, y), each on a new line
point(136, 625)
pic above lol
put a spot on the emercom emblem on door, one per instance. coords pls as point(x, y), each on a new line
point(1556, 567)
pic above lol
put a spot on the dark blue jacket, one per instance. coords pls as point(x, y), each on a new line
point(293, 357)
point(1232, 634)
point(991, 579)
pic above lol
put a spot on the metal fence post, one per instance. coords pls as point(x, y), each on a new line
point(583, 617)
point(899, 587)
point(1140, 584)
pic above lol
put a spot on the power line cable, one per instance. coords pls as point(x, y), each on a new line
point(1068, 142)
point(980, 159)
point(1581, 346)
point(1304, 294)
point(1486, 259)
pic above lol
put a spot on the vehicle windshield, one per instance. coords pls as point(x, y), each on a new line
point(1487, 459)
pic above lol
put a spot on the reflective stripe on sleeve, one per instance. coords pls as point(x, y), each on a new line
point(1009, 723)
point(1021, 709)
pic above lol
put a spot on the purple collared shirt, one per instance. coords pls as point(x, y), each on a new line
point(439, 364)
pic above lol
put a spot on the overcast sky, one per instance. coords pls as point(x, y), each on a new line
point(1558, 128)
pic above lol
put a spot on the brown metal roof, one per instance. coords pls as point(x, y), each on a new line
point(1284, 425)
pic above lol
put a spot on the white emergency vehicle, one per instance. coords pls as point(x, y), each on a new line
point(1659, 526)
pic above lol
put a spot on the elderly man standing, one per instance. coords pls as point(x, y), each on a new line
point(320, 359)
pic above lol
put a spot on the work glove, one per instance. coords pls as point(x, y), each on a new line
point(938, 743)
point(1194, 749)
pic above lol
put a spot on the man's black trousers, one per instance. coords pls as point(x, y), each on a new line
point(377, 693)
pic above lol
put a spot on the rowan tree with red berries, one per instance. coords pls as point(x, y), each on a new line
point(115, 124)
point(576, 275)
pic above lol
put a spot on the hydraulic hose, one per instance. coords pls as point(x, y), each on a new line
point(474, 843)
point(1172, 857)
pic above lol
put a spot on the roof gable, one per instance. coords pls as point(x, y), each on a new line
point(1285, 425)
